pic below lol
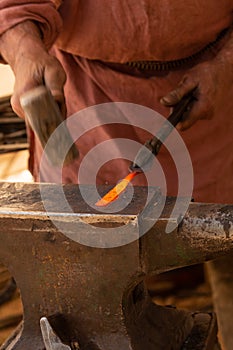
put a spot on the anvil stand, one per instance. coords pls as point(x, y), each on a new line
point(95, 298)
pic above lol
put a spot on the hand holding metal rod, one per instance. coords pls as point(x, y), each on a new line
point(143, 159)
point(145, 156)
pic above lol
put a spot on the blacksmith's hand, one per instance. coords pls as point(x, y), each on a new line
point(212, 80)
point(22, 47)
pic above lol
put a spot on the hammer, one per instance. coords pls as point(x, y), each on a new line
point(44, 117)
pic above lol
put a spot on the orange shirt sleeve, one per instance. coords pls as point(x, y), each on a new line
point(43, 12)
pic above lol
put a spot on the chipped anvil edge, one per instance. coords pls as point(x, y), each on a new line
point(27, 217)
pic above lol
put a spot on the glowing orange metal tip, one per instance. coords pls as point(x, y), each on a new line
point(116, 191)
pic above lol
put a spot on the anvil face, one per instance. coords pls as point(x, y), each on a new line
point(131, 203)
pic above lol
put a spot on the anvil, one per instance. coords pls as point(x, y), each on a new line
point(95, 297)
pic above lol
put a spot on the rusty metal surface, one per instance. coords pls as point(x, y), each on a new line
point(95, 297)
point(205, 233)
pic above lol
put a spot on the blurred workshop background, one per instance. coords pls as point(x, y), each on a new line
point(13, 142)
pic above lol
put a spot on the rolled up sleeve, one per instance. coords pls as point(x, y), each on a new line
point(43, 12)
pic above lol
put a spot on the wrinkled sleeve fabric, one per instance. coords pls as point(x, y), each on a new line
point(43, 12)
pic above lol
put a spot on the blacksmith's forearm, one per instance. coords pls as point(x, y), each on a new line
point(19, 39)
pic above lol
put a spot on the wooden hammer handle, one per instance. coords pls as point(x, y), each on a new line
point(44, 117)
